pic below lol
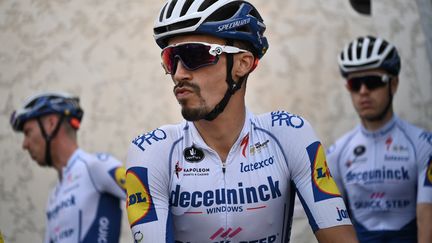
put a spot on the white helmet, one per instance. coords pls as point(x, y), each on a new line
point(226, 19)
point(367, 53)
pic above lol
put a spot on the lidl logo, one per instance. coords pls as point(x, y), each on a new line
point(139, 205)
point(428, 179)
point(323, 185)
point(119, 175)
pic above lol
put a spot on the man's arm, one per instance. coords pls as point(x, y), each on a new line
point(342, 234)
point(424, 222)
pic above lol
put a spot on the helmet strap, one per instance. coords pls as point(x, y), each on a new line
point(232, 87)
point(48, 139)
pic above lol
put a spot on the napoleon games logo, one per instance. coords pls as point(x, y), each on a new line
point(428, 179)
point(323, 185)
point(139, 203)
point(193, 155)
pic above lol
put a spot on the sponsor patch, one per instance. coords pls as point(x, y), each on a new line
point(359, 150)
point(323, 185)
point(193, 155)
point(119, 175)
point(428, 179)
point(139, 205)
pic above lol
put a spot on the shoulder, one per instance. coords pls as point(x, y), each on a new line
point(282, 121)
point(414, 132)
point(98, 159)
point(151, 143)
point(342, 142)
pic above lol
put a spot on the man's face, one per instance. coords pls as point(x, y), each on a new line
point(199, 91)
point(34, 142)
point(370, 102)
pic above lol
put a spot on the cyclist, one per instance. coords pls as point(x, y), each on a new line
point(84, 206)
point(384, 165)
point(225, 174)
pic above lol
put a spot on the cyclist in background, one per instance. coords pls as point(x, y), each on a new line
point(84, 206)
point(225, 174)
point(384, 165)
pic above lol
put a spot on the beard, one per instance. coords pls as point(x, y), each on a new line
point(193, 114)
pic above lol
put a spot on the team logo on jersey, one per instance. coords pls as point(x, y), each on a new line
point(428, 179)
point(193, 155)
point(139, 203)
point(119, 175)
point(359, 150)
point(323, 185)
point(244, 144)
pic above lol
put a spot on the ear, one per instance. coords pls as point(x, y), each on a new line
point(244, 64)
point(50, 122)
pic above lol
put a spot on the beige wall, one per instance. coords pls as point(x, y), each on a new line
point(103, 51)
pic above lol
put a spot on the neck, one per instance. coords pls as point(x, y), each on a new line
point(61, 151)
point(221, 133)
point(374, 125)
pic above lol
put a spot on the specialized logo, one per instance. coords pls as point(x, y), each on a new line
point(119, 175)
point(149, 138)
point(359, 150)
point(282, 117)
point(193, 155)
point(428, 179)
point(323, 185)
point(244, 143)
point(139, 203)
point(177, 169)
point(233, 25)
point(388, 142)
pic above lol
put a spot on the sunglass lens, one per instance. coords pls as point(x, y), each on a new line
point(192, 56)
point(371, 82)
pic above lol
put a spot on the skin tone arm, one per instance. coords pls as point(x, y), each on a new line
point(424, 222)
point(337, 234)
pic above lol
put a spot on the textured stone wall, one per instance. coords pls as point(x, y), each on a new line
point(104, 52)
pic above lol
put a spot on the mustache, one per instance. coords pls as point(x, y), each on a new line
point(191, 86)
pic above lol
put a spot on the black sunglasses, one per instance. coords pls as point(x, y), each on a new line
point(372, 82)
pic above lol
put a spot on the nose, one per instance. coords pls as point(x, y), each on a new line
point(181, 73)
point(363, 88)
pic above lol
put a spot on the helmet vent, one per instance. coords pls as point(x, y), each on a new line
point(176, 26)
point(223, 13)
point(171, 8)
point(206, 4)
point(162, 13)
point(382, 48)
point(186, 7)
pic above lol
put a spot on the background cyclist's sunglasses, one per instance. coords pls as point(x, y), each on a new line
point(193, 55)
point(371, 82)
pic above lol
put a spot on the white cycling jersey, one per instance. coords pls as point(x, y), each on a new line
point(179, 189)
point(85, 205)
point(384, 175)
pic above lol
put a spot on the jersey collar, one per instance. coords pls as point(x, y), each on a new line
point(383, 131)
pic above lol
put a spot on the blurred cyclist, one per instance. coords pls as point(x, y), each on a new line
point(384, 165)
point(84, 206)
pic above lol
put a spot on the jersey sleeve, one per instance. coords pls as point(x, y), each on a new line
point(147, 185)
point(314, 183)
point(424, 183)
point(333, 153)
point(108, 175)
